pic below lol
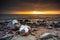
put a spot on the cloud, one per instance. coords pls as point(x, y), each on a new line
point(29, 5)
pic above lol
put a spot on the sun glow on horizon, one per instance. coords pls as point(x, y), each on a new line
point(35, 12)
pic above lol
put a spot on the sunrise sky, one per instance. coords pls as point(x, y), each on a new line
point(29, 7)
point(33, 12)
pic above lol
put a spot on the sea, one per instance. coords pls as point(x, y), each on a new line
point(30, 16)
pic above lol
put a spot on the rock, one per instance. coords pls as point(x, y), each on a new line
point(34, 29)
point(2, 33)
point(6, 37)
point(49, 27)
point(47, 36)
point(32, 33)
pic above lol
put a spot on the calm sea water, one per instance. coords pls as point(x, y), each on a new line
point(31, 16)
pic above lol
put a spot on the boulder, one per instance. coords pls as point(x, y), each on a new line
point(48, 36)
point(6, 37)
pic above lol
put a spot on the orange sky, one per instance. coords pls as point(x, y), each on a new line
point(34, 12)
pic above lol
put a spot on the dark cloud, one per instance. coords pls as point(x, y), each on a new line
point(27, 5)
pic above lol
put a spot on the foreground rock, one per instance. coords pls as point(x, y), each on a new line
point(7, 37)
point(48, 36)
